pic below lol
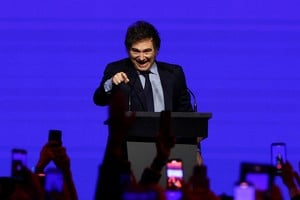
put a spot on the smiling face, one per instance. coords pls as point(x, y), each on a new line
point(143, 54)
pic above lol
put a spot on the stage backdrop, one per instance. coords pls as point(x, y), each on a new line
point(241, 60)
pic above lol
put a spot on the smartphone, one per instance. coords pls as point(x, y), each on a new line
point(53, 180)
point(174, 169)
point(18, 161)
point(244, 191)
point(55, 135)
point(261, 176)
point(278, 156)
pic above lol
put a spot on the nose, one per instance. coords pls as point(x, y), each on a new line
point(142, 56)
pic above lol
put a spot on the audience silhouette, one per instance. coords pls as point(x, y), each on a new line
point(116, 180)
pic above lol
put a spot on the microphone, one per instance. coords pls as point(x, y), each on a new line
point(129, 103)
point(194, 100)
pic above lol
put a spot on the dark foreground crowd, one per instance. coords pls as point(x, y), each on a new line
point(116, 179)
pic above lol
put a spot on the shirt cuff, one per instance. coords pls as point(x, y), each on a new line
point(108, 85)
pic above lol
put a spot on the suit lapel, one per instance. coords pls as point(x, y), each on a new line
point(166, 83)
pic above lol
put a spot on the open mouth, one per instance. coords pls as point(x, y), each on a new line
point(142, 62)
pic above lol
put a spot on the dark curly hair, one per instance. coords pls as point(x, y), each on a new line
point(141, 30)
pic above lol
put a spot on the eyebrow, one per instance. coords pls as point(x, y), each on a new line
point(145, 50)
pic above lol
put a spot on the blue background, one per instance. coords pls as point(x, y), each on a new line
point(241, 59)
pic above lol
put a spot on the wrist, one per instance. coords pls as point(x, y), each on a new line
point(158, 163)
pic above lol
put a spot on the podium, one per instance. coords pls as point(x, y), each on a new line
point(186, 126)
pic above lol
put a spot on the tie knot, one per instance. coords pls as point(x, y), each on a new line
point(145, 73)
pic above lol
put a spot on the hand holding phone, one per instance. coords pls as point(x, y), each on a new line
point(278, 156)
point(261, 176)
point(174, 170)
point(46, 153)
point(19, 160)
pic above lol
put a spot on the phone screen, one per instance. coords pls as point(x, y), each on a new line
point(244, 191)
point(19, 155)
point(19, 160)
point(260, 181)
point(278, 155)
point(174, 170)
point(260, 175)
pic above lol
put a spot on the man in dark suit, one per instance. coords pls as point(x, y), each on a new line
point(140, 71)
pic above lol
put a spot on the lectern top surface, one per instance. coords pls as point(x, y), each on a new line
point(173, 114)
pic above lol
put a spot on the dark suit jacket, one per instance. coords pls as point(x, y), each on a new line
point(176, 95)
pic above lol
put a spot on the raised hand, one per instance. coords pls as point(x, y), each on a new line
point(119, 78)
point(165, 140)
point(119, 123)
point(46, 155)
point(61, 158)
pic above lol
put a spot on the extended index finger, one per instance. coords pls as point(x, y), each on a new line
point(125, 77)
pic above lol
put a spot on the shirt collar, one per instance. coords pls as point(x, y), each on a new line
point(153, 68)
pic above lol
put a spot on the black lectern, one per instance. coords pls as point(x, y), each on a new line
point(186, 126)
